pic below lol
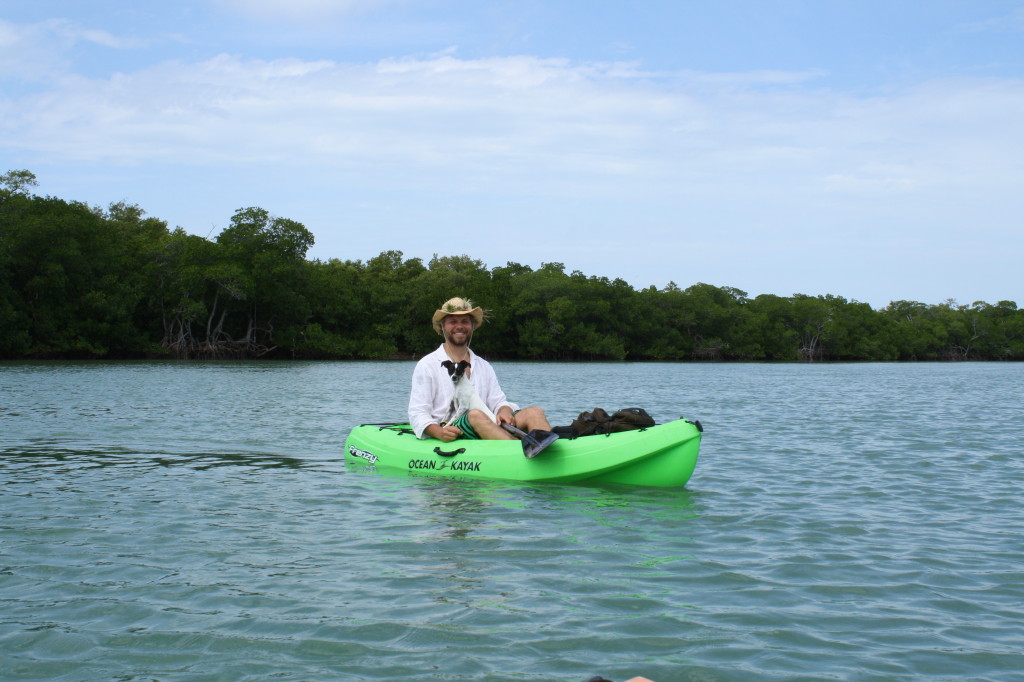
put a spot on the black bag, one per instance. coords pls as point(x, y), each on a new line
point(590, 423)
point(598, 421)
point(629, 419)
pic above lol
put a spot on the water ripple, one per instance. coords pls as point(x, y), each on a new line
point(163, 521)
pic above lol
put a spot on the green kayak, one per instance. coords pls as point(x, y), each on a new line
point(663, 455)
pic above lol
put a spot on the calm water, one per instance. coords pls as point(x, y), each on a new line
point(165, 521)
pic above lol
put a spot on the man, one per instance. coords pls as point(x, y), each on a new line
point(432, 394)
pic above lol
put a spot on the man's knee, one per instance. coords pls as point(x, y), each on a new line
point(529, 414)
point(477, 417)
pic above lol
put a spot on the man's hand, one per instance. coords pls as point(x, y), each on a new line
point(444, 433)
point(504, 416)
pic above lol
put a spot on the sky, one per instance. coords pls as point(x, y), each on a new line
point(868, 149)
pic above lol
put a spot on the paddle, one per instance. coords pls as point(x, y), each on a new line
point(534, 441)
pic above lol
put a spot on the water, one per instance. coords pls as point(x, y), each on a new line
point(178, 521)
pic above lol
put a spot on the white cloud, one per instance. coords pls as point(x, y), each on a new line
point(30, 52)
point(544, 125)
point(1007, 23)
point(25, 53)
point(301, 10)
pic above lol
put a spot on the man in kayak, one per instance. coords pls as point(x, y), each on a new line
point(435, 411)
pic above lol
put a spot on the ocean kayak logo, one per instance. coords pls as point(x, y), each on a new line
point(362, 454)
point(434, 465)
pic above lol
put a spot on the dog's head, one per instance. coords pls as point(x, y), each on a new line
point(456, 369)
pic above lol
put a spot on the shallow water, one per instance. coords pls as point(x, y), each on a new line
point(195, 521)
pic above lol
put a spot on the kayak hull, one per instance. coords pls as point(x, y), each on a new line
point(663, 455)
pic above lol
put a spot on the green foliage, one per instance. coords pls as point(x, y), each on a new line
point(77, 281)
point(70, 285)
point(16, 182)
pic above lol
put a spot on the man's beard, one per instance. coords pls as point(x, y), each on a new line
point(464, 342)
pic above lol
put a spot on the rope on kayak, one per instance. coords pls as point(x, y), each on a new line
point(399, 428)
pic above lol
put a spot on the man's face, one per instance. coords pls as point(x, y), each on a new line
point(458, 328)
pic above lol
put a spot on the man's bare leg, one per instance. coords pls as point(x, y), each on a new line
point(531, 418)
point(485, 428)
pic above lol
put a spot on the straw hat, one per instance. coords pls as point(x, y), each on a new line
point(458, 306)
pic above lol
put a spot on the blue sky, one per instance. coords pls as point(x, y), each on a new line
point(867, 149)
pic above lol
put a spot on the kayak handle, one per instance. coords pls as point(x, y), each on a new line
point(450, 453)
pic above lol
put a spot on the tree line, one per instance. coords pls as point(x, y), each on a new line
point(84, 282)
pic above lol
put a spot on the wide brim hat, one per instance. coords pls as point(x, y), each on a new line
point(457, 306)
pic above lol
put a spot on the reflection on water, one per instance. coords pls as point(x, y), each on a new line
point(453, 507)
point(45, 453)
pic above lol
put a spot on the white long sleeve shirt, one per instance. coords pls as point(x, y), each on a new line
point(432, 389)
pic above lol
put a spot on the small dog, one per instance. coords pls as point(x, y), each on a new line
point(466, 397)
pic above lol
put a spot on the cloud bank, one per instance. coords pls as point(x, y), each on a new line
point(515, 118)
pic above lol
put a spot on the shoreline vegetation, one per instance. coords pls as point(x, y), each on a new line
point(81, 282)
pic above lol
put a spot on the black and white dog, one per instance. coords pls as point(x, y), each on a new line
point(465, 397)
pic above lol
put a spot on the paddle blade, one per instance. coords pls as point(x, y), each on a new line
point(534, 441)
point(537, 440)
